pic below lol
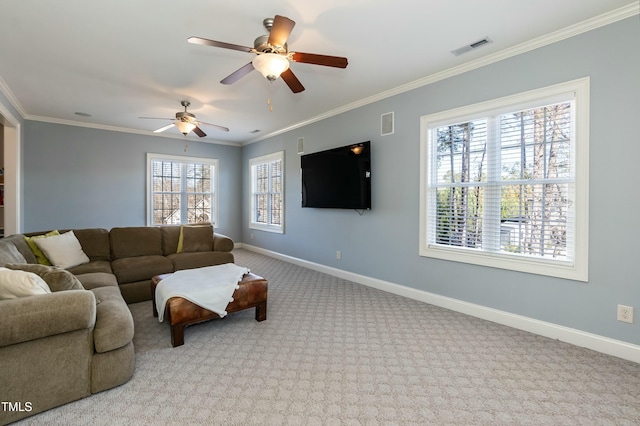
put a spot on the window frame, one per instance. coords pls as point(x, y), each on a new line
point(212, 162)
point(578, 92)
point(253, 162)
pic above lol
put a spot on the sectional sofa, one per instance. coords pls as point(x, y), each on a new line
point(77, 339)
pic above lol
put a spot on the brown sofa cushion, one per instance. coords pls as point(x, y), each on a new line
point(31, 318)
point(135, 241)
point(170, 236)
point(61, 280)
point(132, 269)
point(91, 267)
point(195, 238)
point(95, 243)
point(114, 323)
point(199, 259)
point(93, 280)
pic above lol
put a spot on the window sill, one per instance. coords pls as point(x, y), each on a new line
point(267, 228)
point(538, 266)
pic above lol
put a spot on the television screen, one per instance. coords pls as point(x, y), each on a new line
point(338, 178)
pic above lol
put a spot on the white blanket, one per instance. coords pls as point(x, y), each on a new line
point(210, 287)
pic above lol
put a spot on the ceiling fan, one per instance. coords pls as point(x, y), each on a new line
point(186, 122)
point(273, 56)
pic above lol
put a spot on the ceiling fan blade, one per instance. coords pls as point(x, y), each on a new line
point(280, 31)
point(238, 74)
point(162, 129)
point(292, 81)
point(213, 43)
point(312, 58)
point(198, 131)
point(222, 128)
point(156, 118)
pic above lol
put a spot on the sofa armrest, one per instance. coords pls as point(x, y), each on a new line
point(34, 317)
point(222, 243)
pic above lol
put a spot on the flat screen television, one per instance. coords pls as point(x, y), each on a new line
point(338, 178)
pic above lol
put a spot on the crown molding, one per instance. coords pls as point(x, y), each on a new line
point(619, 14)
point(6, 91)
point(624, 12)
point(126, 130)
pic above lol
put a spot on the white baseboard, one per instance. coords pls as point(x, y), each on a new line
point(573, 336)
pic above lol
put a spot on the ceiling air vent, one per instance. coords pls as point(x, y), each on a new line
point(472, 46)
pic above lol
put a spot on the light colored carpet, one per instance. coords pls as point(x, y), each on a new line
point(333, 352)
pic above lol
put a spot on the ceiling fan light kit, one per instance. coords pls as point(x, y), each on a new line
point(270, 65)
point(186, 122)
point(185, 126)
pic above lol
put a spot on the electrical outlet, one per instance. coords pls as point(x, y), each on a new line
point(338, 255)
point(625, 313)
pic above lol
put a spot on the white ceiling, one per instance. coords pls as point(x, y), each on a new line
point(118, 60)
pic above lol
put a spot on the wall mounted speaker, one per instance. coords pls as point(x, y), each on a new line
point(386, 124)
point(300, 145)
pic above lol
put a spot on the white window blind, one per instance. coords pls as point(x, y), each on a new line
point(181, 190)
point(267, 198)
point(502, 189)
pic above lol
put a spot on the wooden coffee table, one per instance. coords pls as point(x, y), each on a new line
point(180, 312)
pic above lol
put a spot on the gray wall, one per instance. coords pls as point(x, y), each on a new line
point(79, 177)
point(76, 177)
point(383, 243)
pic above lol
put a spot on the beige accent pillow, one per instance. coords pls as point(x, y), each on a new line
point(31, 242)
point(63, 250)
point(57, 279)
point(14, 284)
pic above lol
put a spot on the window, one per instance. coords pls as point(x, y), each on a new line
point(181, 190)
point(267, 198)
point(504, 183)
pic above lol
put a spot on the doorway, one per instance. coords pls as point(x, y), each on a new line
point(10, 145)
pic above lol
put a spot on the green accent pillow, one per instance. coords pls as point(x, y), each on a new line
point(180, 241)
point(40, 256)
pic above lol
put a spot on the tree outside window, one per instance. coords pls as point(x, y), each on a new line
point(507, 186)
point(267, 192)
point(181, 190)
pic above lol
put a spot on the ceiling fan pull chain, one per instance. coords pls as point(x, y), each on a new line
point(269, 96)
